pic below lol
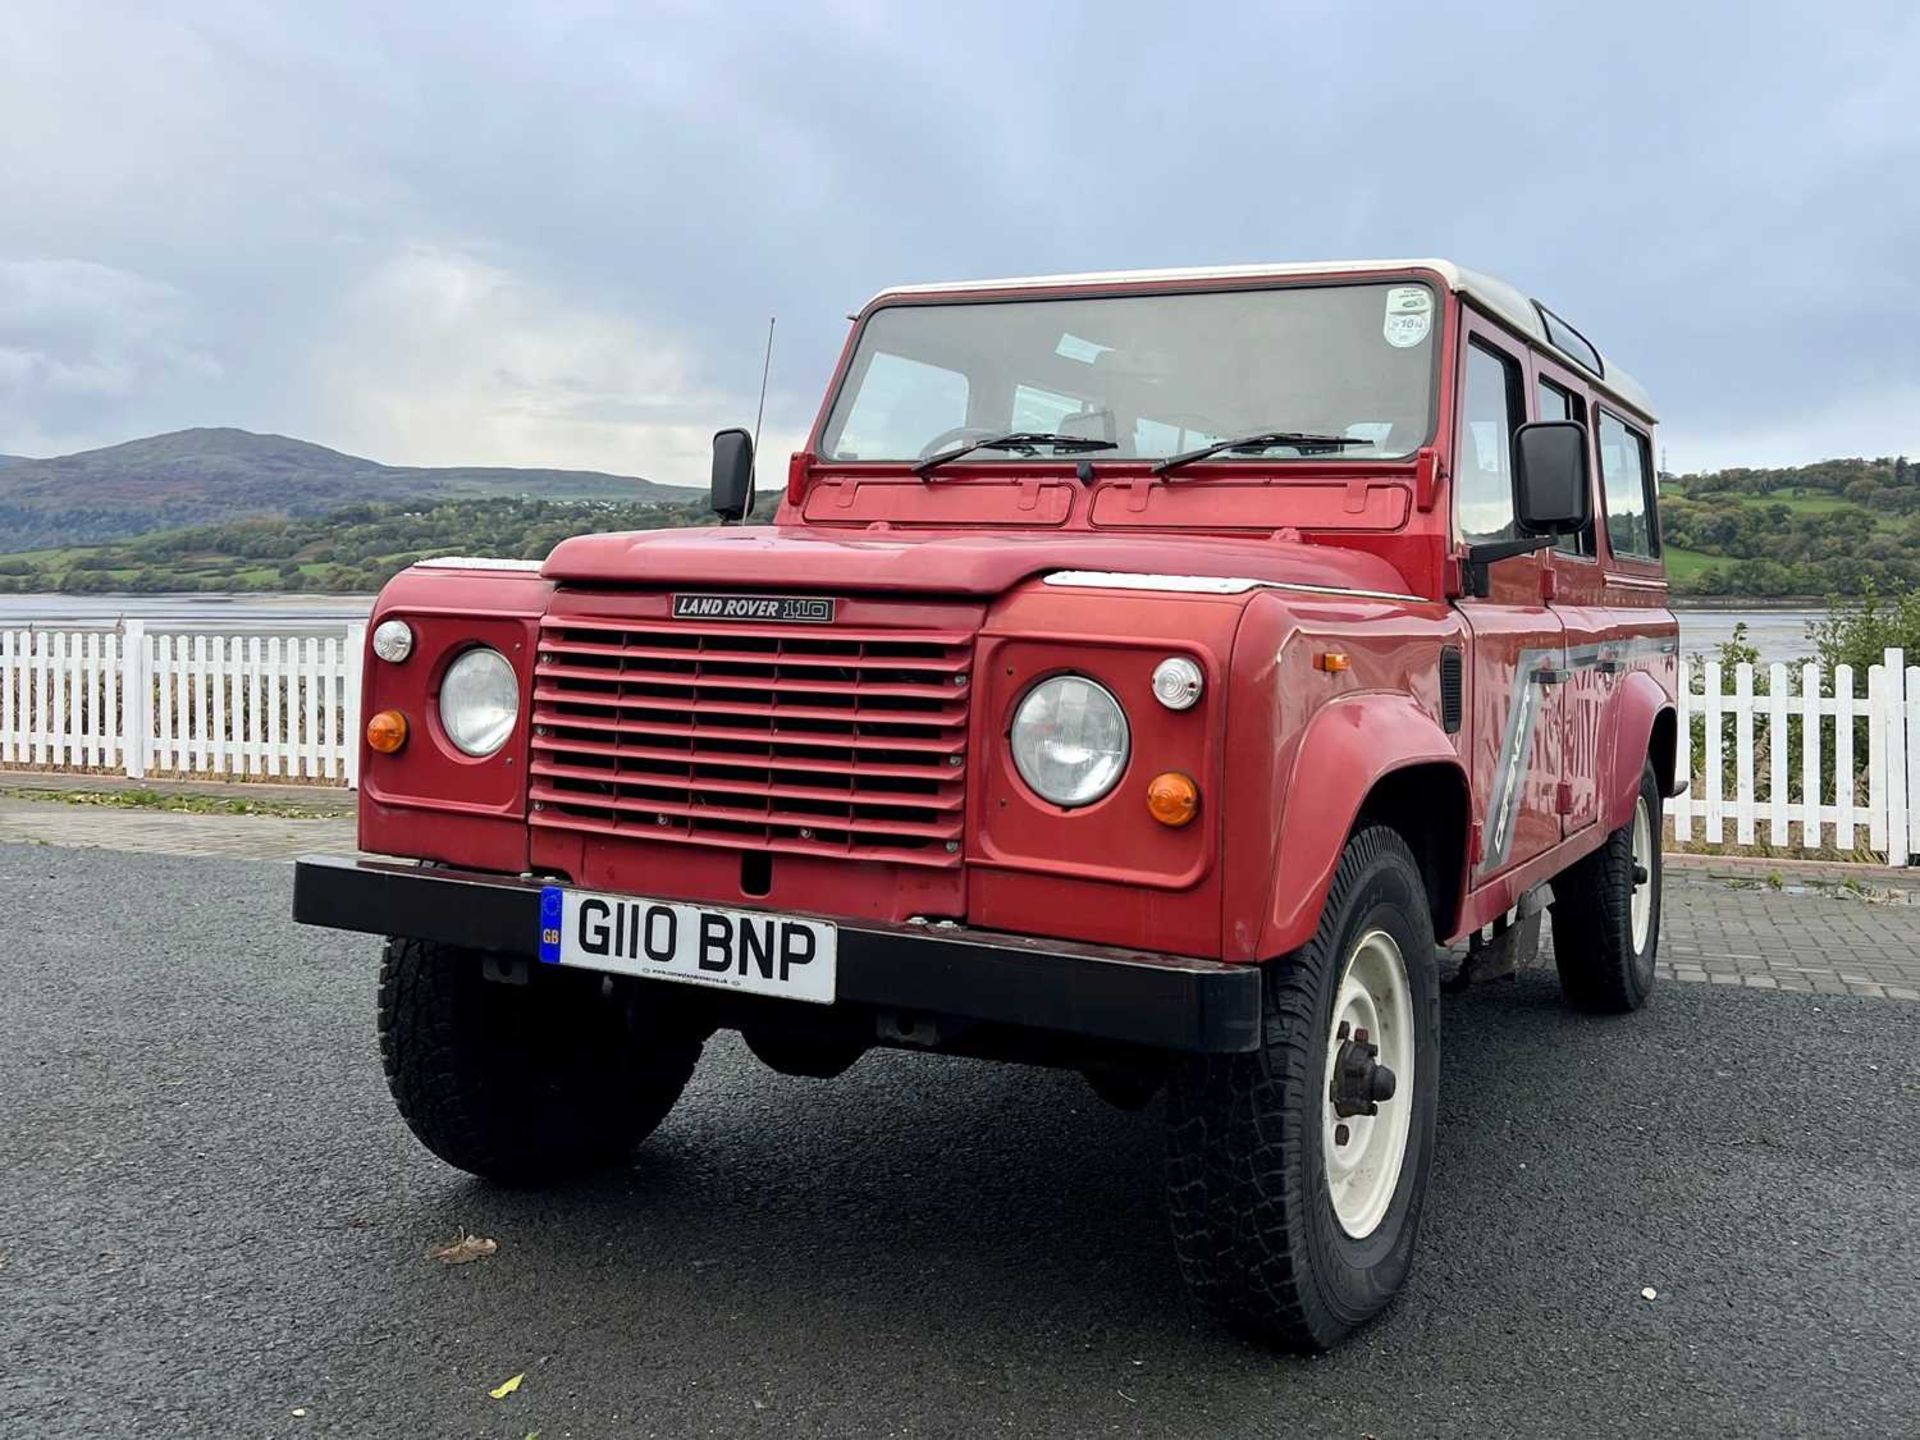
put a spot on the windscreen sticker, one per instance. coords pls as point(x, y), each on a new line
point(1072, 347)
point(1409, 315)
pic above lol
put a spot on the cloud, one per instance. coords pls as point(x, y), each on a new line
point(1877, 422)
point(75, 337)
point(443, 356)
point(614, 197)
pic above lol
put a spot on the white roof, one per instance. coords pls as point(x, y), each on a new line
point(1493, 295)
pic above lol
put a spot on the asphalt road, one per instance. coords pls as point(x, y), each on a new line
point(211, 1217)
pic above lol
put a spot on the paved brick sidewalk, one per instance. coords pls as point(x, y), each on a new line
point(1825, 939)
point(1815, 937)
point(170, 832)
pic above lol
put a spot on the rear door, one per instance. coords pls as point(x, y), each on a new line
point(1577, 591)
point(1518, 664)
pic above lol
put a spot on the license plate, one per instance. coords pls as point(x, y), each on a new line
point(692, 944)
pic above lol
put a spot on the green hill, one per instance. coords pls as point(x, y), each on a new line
point(211, 476)
point(353, 549)
point(231, 510)
point(1825, 529)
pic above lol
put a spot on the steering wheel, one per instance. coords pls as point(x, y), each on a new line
point(958, 433)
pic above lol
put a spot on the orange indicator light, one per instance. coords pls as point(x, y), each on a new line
point(1332, 661)
point(387, 731)
point(1172, 799)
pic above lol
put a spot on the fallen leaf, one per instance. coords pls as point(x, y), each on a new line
point(464, 1248)
point(507, 1387)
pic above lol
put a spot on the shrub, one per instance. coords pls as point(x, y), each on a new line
point(1859, 632)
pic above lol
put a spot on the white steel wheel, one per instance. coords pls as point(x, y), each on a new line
point(1367, 1102)
point(1641, 911)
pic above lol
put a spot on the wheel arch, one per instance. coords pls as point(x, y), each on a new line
point(1369, 758)
point(1645, 728)
point(1663, 748)
point(1427, 804)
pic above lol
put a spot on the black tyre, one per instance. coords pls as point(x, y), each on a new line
point(525, 1084)
point(1606, 916)
point(1294, 1212)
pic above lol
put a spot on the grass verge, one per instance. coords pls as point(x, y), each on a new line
point(192, 804)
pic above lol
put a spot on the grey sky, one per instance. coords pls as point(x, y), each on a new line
point(552, 233)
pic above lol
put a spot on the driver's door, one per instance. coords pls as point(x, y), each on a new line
point(1518, 665)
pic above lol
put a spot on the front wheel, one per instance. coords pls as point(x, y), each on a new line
point(1297, 1172)
point(527, 1084)
point(1606, 913)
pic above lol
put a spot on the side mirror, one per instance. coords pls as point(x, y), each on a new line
point(1552, 493)
point(732, 494)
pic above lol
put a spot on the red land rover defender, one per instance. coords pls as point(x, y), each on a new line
point(1143, 674)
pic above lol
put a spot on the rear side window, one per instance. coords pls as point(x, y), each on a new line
point(1558, 404)
point(1626, 475)
point(1489, 410)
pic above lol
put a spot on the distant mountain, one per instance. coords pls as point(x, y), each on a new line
point(210, 476)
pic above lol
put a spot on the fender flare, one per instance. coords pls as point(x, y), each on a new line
point(1636, 708)
point(1349, 746)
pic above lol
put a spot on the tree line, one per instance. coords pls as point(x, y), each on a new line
point(1836, 527)
point(353, 549)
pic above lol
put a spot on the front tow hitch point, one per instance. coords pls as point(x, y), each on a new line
point(1360, 1082)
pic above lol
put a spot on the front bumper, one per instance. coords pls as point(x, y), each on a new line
point(1089, 991)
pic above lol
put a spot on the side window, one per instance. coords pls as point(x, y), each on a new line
point(1483, 478)
point(1558, 404)
point(1626, 477)
point(901, 401)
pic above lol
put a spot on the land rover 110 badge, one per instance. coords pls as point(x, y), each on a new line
point(790, 609)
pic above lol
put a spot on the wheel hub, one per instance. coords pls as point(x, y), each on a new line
point(1370, 1059)
point(1640, 907)
point(1360, 1081)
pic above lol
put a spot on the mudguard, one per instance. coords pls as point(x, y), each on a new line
point(1632, 713)
point(1348, 747)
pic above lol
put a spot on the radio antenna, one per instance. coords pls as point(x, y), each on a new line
point(766, 369)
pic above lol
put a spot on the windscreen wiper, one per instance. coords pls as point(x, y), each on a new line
point(1027, 440)
point(1262, 441)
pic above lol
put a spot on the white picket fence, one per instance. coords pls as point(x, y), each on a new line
point(1818, 790)
point(183, 703)
point(1803, 763)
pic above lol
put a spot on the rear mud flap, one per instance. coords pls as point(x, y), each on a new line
point(1511, 945)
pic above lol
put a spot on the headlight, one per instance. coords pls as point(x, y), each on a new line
point(1070, 740)
point(479, 701)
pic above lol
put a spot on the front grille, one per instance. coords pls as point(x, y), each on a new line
point(849, 742)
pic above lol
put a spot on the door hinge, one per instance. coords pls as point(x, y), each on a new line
point(1547, 675)
point(1563, 797)
point(1476, 844)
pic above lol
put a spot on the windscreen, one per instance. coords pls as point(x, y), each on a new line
point(1155, 375)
